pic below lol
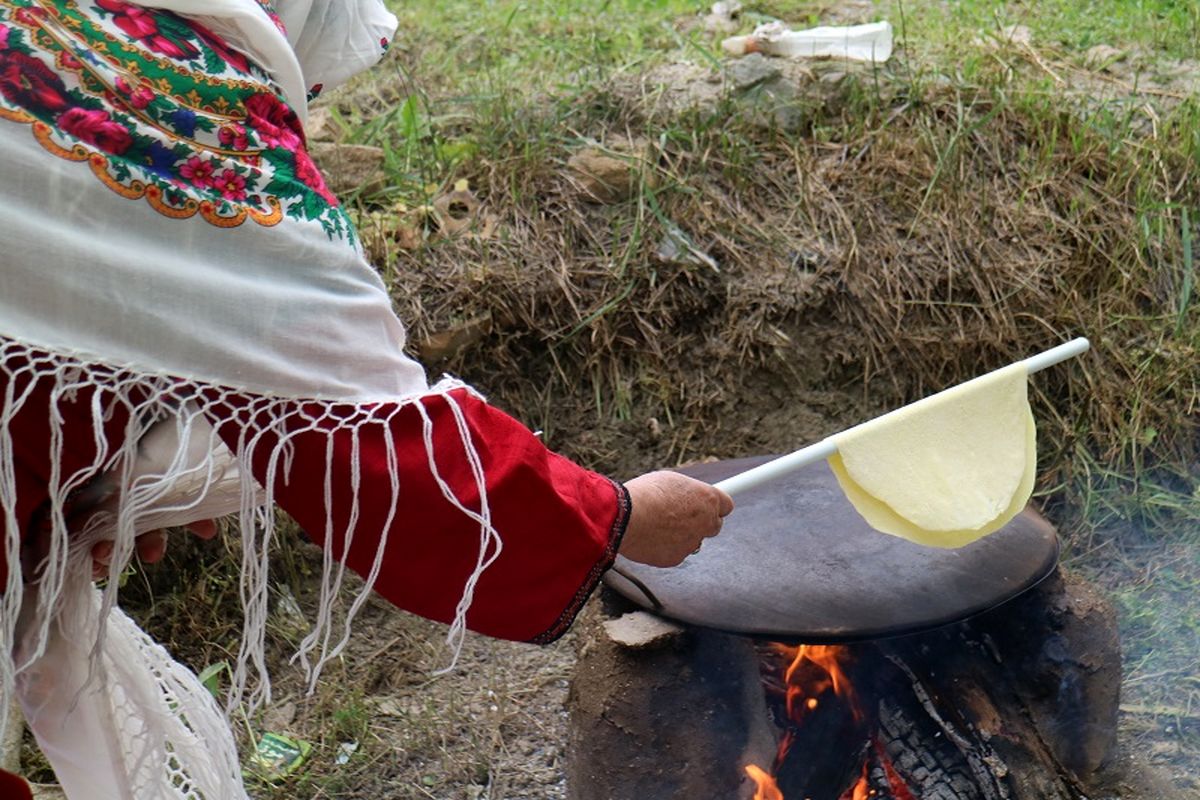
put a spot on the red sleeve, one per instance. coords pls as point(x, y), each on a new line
point(560, 524)
point(13, 788)
point(31, 443)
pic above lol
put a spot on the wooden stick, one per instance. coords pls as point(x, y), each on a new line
point(823, 449)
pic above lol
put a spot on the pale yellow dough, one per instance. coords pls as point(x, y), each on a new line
point(948, 469)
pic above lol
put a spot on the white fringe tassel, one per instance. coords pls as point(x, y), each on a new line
point(115, 715)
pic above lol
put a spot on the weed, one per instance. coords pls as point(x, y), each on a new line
point(980, 198)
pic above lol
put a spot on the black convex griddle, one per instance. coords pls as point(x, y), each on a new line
point(796, 562)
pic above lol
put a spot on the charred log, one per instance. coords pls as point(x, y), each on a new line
point(825, 754)
point(913, 762)
point(1035, 683)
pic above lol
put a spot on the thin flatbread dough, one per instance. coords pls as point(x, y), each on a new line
point(948, 469)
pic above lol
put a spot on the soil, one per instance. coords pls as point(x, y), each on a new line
point(495, 727)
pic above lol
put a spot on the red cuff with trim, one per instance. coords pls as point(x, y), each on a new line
point(560, 524)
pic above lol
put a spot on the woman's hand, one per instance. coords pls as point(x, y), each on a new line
point(150, 546)
point(672, 515)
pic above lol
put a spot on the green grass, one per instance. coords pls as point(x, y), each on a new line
point(1097, 175)
point(493, 49)
point(501, 93)
point(533, 46)
point(1169, 28)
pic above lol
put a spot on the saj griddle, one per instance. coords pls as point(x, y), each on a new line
point(795, 561)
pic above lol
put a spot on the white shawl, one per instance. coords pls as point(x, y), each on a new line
point(328, 41)
point(119, 296)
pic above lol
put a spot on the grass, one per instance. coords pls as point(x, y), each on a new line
point(1100, 164)
point(1164, 28)
point(984, 195)
point(976, 200)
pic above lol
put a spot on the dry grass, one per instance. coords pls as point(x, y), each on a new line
point(909, 236)
point(909, 229)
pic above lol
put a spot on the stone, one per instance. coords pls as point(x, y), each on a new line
point(319, 127)
point(609, 175)
point(787, 112)
point(751, 71)
point(452, 341)
point(280, 717)
point(775, 104)
point(640, 629)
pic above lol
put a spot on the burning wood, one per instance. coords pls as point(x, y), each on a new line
point(815, 678)
point(888, 739)
point(1018, 704)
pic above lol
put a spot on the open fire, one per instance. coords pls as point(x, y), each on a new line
point(813, 674)
point(803, 681)
point(1016, 704)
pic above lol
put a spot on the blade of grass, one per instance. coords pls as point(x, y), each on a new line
point(1189, 272)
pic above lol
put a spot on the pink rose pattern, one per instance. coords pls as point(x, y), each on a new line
point(26, 81)
point(274, 121)
point(233, 136)
point(142, 25)
point(96, 127)
point(310, 176)
point(198, 172)
point(231, 185)
point(248, 152)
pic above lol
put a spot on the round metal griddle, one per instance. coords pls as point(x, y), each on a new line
point(796, 562)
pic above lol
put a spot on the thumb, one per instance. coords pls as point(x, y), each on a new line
point(724, 503)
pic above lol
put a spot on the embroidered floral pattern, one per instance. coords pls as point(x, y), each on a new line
point(161, 109)
point(168, 36)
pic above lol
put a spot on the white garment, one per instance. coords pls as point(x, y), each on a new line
point(328, 41)
point(283, 310)
point(103, 290)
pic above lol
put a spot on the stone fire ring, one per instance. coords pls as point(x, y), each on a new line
point(796, 562)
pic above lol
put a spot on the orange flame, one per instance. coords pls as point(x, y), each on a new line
point(814, 671)
point(803, 688)
point(767, 788)
point(861, 790)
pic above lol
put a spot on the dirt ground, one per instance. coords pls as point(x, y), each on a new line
point(495, 727)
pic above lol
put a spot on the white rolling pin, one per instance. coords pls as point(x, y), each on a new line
point(825, 448)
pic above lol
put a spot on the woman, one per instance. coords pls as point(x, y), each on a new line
point(188, 329)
